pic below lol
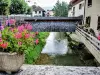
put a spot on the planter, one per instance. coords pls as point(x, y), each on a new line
point(11, 62)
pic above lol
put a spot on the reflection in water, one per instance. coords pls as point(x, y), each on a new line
point(56, 44)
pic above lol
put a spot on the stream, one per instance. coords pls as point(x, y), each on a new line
point(57, 52)
point(56, 44)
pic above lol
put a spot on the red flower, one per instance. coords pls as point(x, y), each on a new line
point(27, 36)
point(18, 35)
point(37, 41)
point(4, 45)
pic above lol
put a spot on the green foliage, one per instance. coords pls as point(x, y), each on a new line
point(61, 9)
point(14, 7)
point(71, 43)
point(18, 7)
point(8, 36)
point(4, 7)
point(33, 53)
point(29, 10)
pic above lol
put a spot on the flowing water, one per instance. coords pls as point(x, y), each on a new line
point(57, 52)
point(56, 44)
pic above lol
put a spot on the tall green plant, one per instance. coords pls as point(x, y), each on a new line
point(61, 9)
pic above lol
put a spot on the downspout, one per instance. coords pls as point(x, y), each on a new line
point(84, 12)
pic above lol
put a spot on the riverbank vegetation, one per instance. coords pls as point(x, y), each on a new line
point(34, 52)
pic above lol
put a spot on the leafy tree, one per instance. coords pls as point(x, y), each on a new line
point(29, 10)
point(61, 9)
point(4, 7)
point(18, 7)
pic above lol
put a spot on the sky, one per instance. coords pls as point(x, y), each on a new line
point(45, 3)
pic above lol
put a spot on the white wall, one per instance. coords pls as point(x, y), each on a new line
point(94, 12)
point(70, 13)
point(37, 14)
point(78, 12)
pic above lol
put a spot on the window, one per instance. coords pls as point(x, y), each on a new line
point(73, 11)
point(88, 20)
point(39, 12)
point(89, 2)
point(98, 23)
point(80, 6)
point(35, 12)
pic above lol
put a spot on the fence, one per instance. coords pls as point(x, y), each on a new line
point(94, 41)
point(18, 18)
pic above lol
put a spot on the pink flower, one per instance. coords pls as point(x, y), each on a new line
point(37, 41)
point(11, 21)
point(18, 35)
point(33, 35)
point(4, 45)
point(28, 26)
point(27, 36)
point(19, 43)
point(21, 28)
point(1, 27)
point(0, 39)
point(98, 37)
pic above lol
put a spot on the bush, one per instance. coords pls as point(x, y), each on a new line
point(34, 52)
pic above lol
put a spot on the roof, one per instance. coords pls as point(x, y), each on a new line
point(53, 24)
point(37, 8)
point(53, 19)
point(74, 2)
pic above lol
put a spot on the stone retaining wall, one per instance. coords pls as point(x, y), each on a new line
point(58, 70)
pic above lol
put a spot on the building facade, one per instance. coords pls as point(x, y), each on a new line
point(76, 8)
point(92, 14)
point(49, 13)
point(37, 11)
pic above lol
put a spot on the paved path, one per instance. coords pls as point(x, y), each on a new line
point(57, 70)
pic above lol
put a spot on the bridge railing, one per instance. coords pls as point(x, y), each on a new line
point(18, 18)
point(93, 40)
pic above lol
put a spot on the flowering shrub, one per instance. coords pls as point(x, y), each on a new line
point(22, 40)
point(17, 39)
